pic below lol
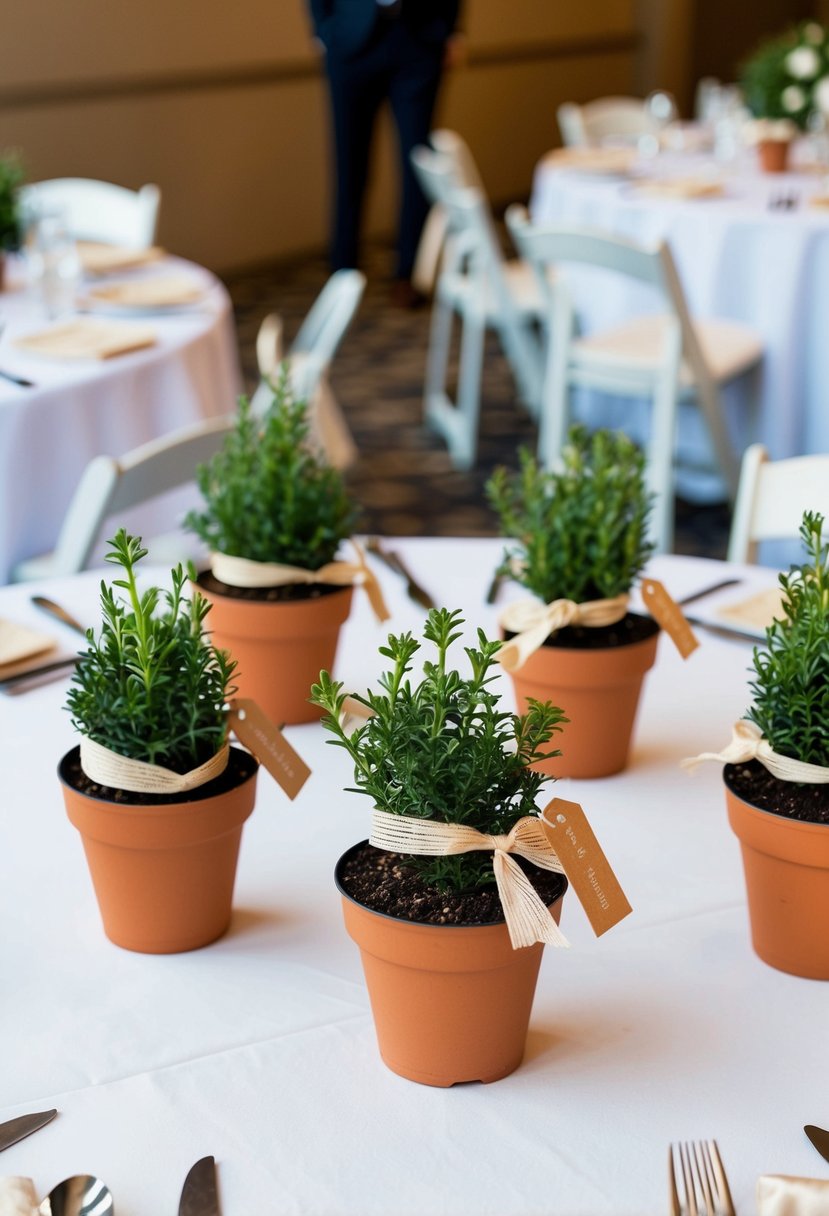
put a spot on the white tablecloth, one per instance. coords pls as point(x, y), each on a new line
point(83, 408)
point(737, 259)
point(260, 1049)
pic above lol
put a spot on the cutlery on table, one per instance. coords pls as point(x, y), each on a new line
point(199, 1196)
point(819, 1138)
point(697, 1185)
point(394, 561)
point(24, 1125)
point(56, 610)
point(19, 380)
point(36, 675)
point(700, 595)
point(80, 1195)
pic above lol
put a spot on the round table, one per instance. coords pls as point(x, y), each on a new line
point(82, 408)
point(739, 257)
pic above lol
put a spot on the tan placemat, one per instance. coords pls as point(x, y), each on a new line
point(19, 643)
point(108, 259)
point(163, 292)
point(87, 338)
point(593, 160)
point(757, 612)
point(820, 201)
point(680, 187)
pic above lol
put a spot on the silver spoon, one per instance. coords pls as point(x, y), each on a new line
point(56, 610)
point(80, 1195)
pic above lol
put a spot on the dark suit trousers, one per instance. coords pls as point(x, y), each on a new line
point(393, 66)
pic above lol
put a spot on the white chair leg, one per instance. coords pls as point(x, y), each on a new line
point(465, 448)
point(554, 414)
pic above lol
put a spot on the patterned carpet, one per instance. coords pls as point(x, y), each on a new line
point(403, 478)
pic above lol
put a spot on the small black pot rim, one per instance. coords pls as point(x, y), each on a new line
point(551, 644)
point(195, 795)
point(421, 924)
point(728, 780)
point(327, 588)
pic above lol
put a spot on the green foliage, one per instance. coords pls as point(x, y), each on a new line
point(152, 687)
point(581, 531)
point(780, 81)
point(791, 688)
point(269, 496)
point(11, 179)
point(443, 749)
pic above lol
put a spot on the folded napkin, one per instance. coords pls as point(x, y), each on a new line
point(782, 1195)
point(165, 291)
point(106, 259)
point(19, 644)
point(757, 612)
point(680, 187)
point(87, 338)
point(820, 200)
point(17, 1197)
point(593, 160)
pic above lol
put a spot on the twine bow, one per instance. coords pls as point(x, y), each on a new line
point(533, 622)
point(527, 916)
point(748, 743)
point(106, 767)
point(242, 572)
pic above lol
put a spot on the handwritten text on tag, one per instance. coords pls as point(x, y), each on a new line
point(587, 869)
point(270, 747)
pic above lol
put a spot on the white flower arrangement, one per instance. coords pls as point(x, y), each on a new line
point(787, 79)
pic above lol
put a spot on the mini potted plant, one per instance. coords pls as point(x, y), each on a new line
point(11, 179)
point(448, 770)
point(274, 516)
point(785, 82)
point(777, 773)
point(580, 542)
point(156, 792)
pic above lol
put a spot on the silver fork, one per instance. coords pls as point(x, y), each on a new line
point(697, 1185)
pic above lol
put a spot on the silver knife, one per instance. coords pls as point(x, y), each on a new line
point(198, 1195)
point(819, 1138)
point(32, 675)
point(24, 1125)
point(395, 562)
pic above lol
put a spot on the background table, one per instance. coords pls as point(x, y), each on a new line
point(260, 1049)
point(737, 259)
point(83, 408)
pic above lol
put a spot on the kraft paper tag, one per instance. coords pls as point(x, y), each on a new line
point(667, 613)
point(270, 747)
point(585, 865)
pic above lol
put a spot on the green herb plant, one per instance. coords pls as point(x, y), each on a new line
point(269, 495)
point(11, 179)
point(442, 748)
point(151, 686)
point(791, 684)
point(788, 76)
point(580, 532)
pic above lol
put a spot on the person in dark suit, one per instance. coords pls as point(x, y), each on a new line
point(377, 51)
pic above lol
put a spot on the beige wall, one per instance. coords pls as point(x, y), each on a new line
point(224, 108)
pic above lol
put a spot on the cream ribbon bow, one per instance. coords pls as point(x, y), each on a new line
point(527, 916)
point(532, 622)
point(106, 767)
point(242, 572)
point(747, 743)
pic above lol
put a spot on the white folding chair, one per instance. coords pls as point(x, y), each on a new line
point(771, 499)
point(308, 361)
point(97, 211)
point(109, 487)
point(484, 290)
point(607, 118)
point(666, 357)
point(433, 238)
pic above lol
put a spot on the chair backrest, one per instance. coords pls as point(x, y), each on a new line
point(97, 211)
point(457, 150)
point(469, 220)
point(606, 118)
point(771, 499)
point(109, 486)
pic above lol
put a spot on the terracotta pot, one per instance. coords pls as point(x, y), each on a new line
point(786, 865)
point(773, 155)
point(450, 1003)
point(163, 874)
point(599, 692)
point(280, 647)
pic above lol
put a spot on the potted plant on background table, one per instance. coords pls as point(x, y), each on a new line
point(777, 773)
point(785, 83)
point(448, 770)
point(11, 234)
point(155, 790)
point(580, 542)
point(274, 517)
